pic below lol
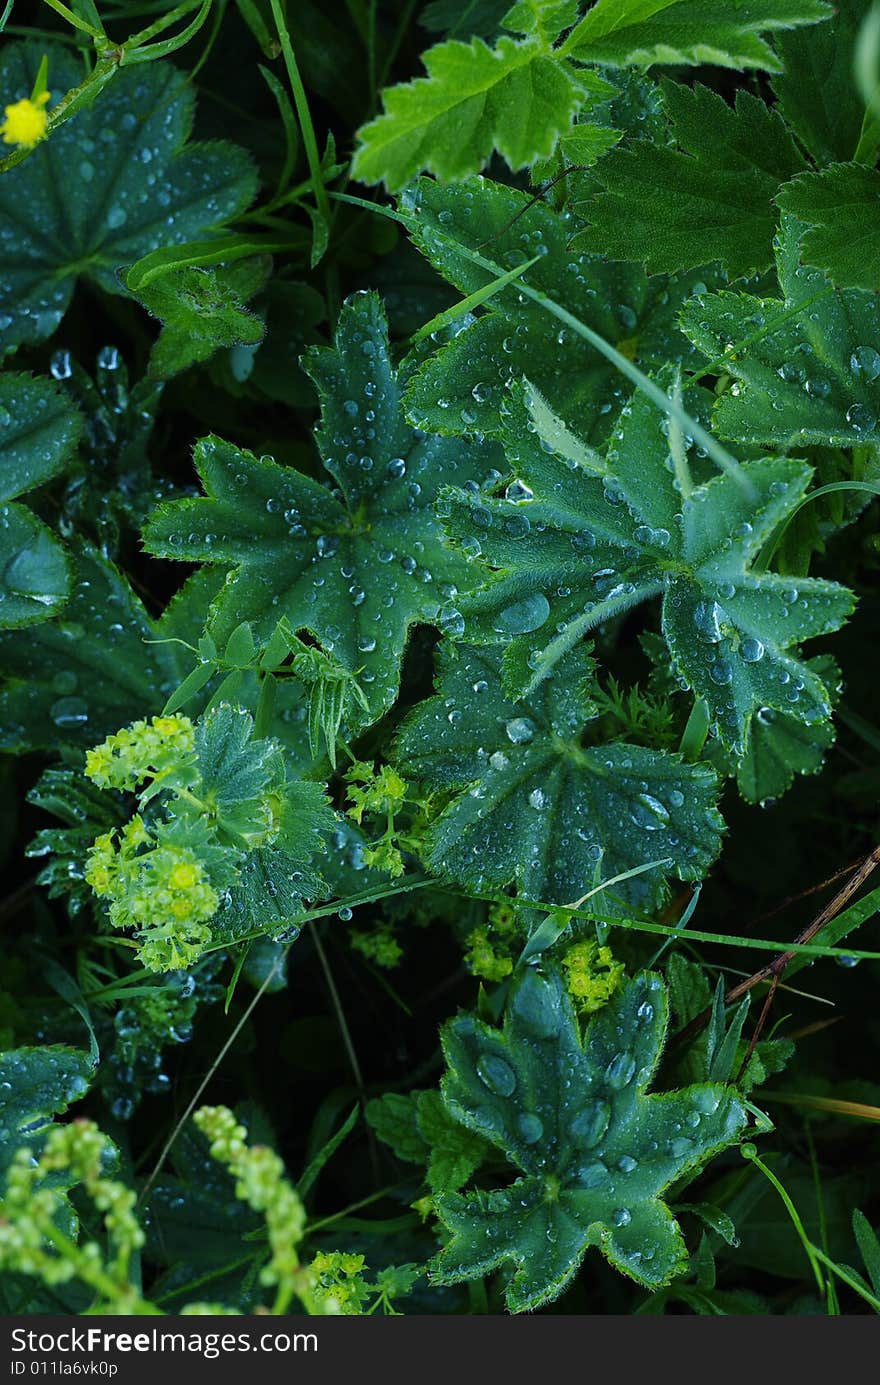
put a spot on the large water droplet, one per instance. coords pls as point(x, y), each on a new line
point(649, 813)
point(496, 1074)
point(590, 1124)
point(751, 650)
point(531, 1127)
point(520, 730)
point(620, 1071)
point(523, 616)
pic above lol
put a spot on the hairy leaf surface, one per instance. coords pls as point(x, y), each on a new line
point(727, 32)
point(707, 198)
point(110, 184)
point(357, 565)
point(580, 544)
point(806, 366)
point(537, 805)
point(36, 1084)
point(465, 386)
point(596, 1152)
point(841, 208)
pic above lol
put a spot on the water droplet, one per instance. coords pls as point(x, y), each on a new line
point(69, 712)
point(496, 1074)
point(865, 361)
point(751, 650)
point(531, 1127)
point(523, 616)
point(649, 813)
point(518, 493)
point(620, 1071)
point(707, 618)
point(590, 1124)
point(520, 730)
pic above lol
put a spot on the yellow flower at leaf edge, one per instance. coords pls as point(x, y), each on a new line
point(26, 121)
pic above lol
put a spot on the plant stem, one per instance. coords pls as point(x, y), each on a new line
point(300, 100)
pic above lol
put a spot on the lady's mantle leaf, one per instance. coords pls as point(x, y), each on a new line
point(35, 1084)
point(596, 1152)
point(357, 565)
point(806, 367)
point(840, 204)
point(465, 386)
point(82, 676)
point(105, 188)
point(578, 547)
point(39, 430)
point(537, 806)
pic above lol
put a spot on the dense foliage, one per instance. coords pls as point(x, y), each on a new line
point(438, 553)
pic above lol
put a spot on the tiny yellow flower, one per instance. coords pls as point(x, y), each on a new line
point(184, 876)
point(26, 121)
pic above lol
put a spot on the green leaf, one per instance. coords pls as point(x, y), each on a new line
point(595, 1150)
point(39, 430)
point(36, 1084)
point(394, 1119)
point(707, 198)
point(538, 806)
point(727, 32)
point(869, 1246)
point(517, 97)
point(244, 779)
point(456, 1152)
point(781, 747)
point(358, 566)
point(82, 676)
point(577, 547)
point(816, 90)
point(109, 185)
point(420, 1130)
point(465, 386)
point(841, 208)
point(202, 310)
point(806, 366)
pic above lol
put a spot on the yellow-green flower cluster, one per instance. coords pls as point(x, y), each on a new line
point(340, 1287)
point(31, 1241)
point(146, 748)
point(164, 892)
point(261, 1183)
point(370, 790)
point(592, 975)
point(491, 945)
point(379, 946)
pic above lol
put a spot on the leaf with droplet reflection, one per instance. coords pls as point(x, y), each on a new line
point(109, 185)
point(806, 366)
point(463, 388)
point(593, 543)
point(538, 806)
point(595, 1151)
point(356, 565)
